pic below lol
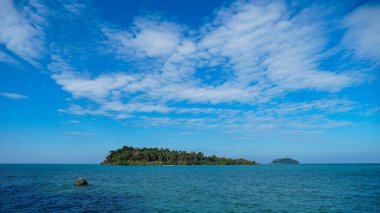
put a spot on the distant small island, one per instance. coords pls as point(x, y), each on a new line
point(285, 161)
point(154, 156)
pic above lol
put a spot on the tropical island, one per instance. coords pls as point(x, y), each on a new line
point(285, 161)
point(154, 156)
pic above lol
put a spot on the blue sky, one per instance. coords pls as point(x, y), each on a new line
point(253, 79)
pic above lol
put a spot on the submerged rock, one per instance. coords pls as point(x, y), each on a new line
point(81, 182)
point(285, 161)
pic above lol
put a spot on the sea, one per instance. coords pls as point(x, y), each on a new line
point(260, 188)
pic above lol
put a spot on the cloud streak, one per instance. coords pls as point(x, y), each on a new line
point(21, 29)
point(10, 95)
point(363, 28)
point(79, 133)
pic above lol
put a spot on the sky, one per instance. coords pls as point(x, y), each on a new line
point(254, 79)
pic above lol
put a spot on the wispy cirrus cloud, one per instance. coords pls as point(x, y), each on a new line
point(233, 71)
point(363, 30)
point(79, 133)
point(267, 45)
point(13, 95)
point(74, 7)
point(305, 116)
point(6, 58)
point(21, 29)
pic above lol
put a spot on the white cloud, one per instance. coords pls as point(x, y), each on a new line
point(371, 110)
point(263, 49)
point(78, 110)
point(96, 89)
point(147, 38)
point(6, 58)
point(250, 55)
point(20, 29)
point(266, 44)
point(84, 86)
point(302, 116)
point(363, 30)
point(13, 95)
point(73, 121)
point(74, 8)
point(209, 94)
point(79, 133)
point(116, 106)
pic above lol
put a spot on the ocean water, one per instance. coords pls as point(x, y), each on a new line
point(263, 188)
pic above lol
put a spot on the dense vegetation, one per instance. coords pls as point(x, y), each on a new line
point(154, 156)
point(285, 161)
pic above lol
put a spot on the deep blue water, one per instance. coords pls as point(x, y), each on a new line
point(264, 188)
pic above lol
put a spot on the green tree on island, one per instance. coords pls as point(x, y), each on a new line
point(153, 156)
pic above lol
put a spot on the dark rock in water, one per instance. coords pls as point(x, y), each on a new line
point(285, 161)
point(81, 182)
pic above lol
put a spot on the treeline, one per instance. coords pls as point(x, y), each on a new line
point(154, 156)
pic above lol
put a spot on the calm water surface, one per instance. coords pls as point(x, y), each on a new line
point(264, 188)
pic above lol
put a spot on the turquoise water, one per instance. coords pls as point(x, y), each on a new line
point(264, 188)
